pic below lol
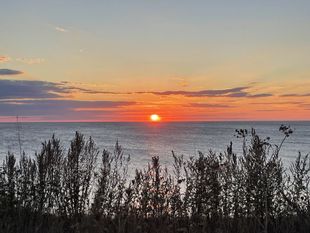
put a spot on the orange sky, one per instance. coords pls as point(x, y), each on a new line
point(194, 60)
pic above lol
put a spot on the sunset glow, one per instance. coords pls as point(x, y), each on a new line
point(155, 117)
point(188, 61)
point(147, 110)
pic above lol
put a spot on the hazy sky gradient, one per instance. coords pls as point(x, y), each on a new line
point(165, 56)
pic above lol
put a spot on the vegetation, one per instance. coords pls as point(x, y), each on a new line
point(85, 190)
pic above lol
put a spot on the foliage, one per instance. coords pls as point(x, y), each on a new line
point(73, 191)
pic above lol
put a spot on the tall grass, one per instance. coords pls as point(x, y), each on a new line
point(88, 190)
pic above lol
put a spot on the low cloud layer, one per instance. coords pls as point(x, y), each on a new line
point(46, 99)
point(30, 89)
point(10, 72)
point(208, 105)
point(237, 92)
point(14, 89)
point(56, 107)
point(10, 89)
point(296, 95)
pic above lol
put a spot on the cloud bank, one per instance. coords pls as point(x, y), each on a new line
point(237, 92)
point(14, 89)
point(49, 100)
point(10, 72)
point(56, 107)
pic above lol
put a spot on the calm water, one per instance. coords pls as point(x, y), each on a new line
point(143, 140)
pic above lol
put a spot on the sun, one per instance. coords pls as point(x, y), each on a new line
point(155, 118)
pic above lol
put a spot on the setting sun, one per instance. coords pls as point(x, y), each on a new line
point(155, 117)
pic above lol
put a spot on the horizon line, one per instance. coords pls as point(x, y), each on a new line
point(157, 123)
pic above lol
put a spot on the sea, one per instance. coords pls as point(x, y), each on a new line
point(143, 140)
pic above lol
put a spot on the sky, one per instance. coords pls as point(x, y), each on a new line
point(185, 60)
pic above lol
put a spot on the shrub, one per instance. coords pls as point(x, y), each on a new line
point(55, 191)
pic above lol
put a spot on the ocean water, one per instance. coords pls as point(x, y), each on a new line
point(144, 140)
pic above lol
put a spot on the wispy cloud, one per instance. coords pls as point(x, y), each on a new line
point(4, 59)
point(277, 103)
point(259, 95)
point(269, 110)
point(31, 61)
point(181, 82)
point(10, 72)
point(237, 92)
point(296, 95)
point(208, 105)
point(61, 29)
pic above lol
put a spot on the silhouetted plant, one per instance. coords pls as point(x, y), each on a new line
point(9, 181)
point(78, 171)
point(111, 181)
point(215, 192)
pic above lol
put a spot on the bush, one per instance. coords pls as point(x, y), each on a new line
point(56, 191)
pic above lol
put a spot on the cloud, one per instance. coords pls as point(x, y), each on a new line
point(305, 106)
point(203, 92)
point(46, 100)
point(278, 103)
point(57, 107)
point(31, 89)
point(296, 95)
point(181, 81)
point(10, 72)
point(237, 92)
point(14, 89)
point(4, 59)
point(207, 105)
point(61, 29)
point(31, 61)
point(90, 91)
point(269, 110)
point(260, 95)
